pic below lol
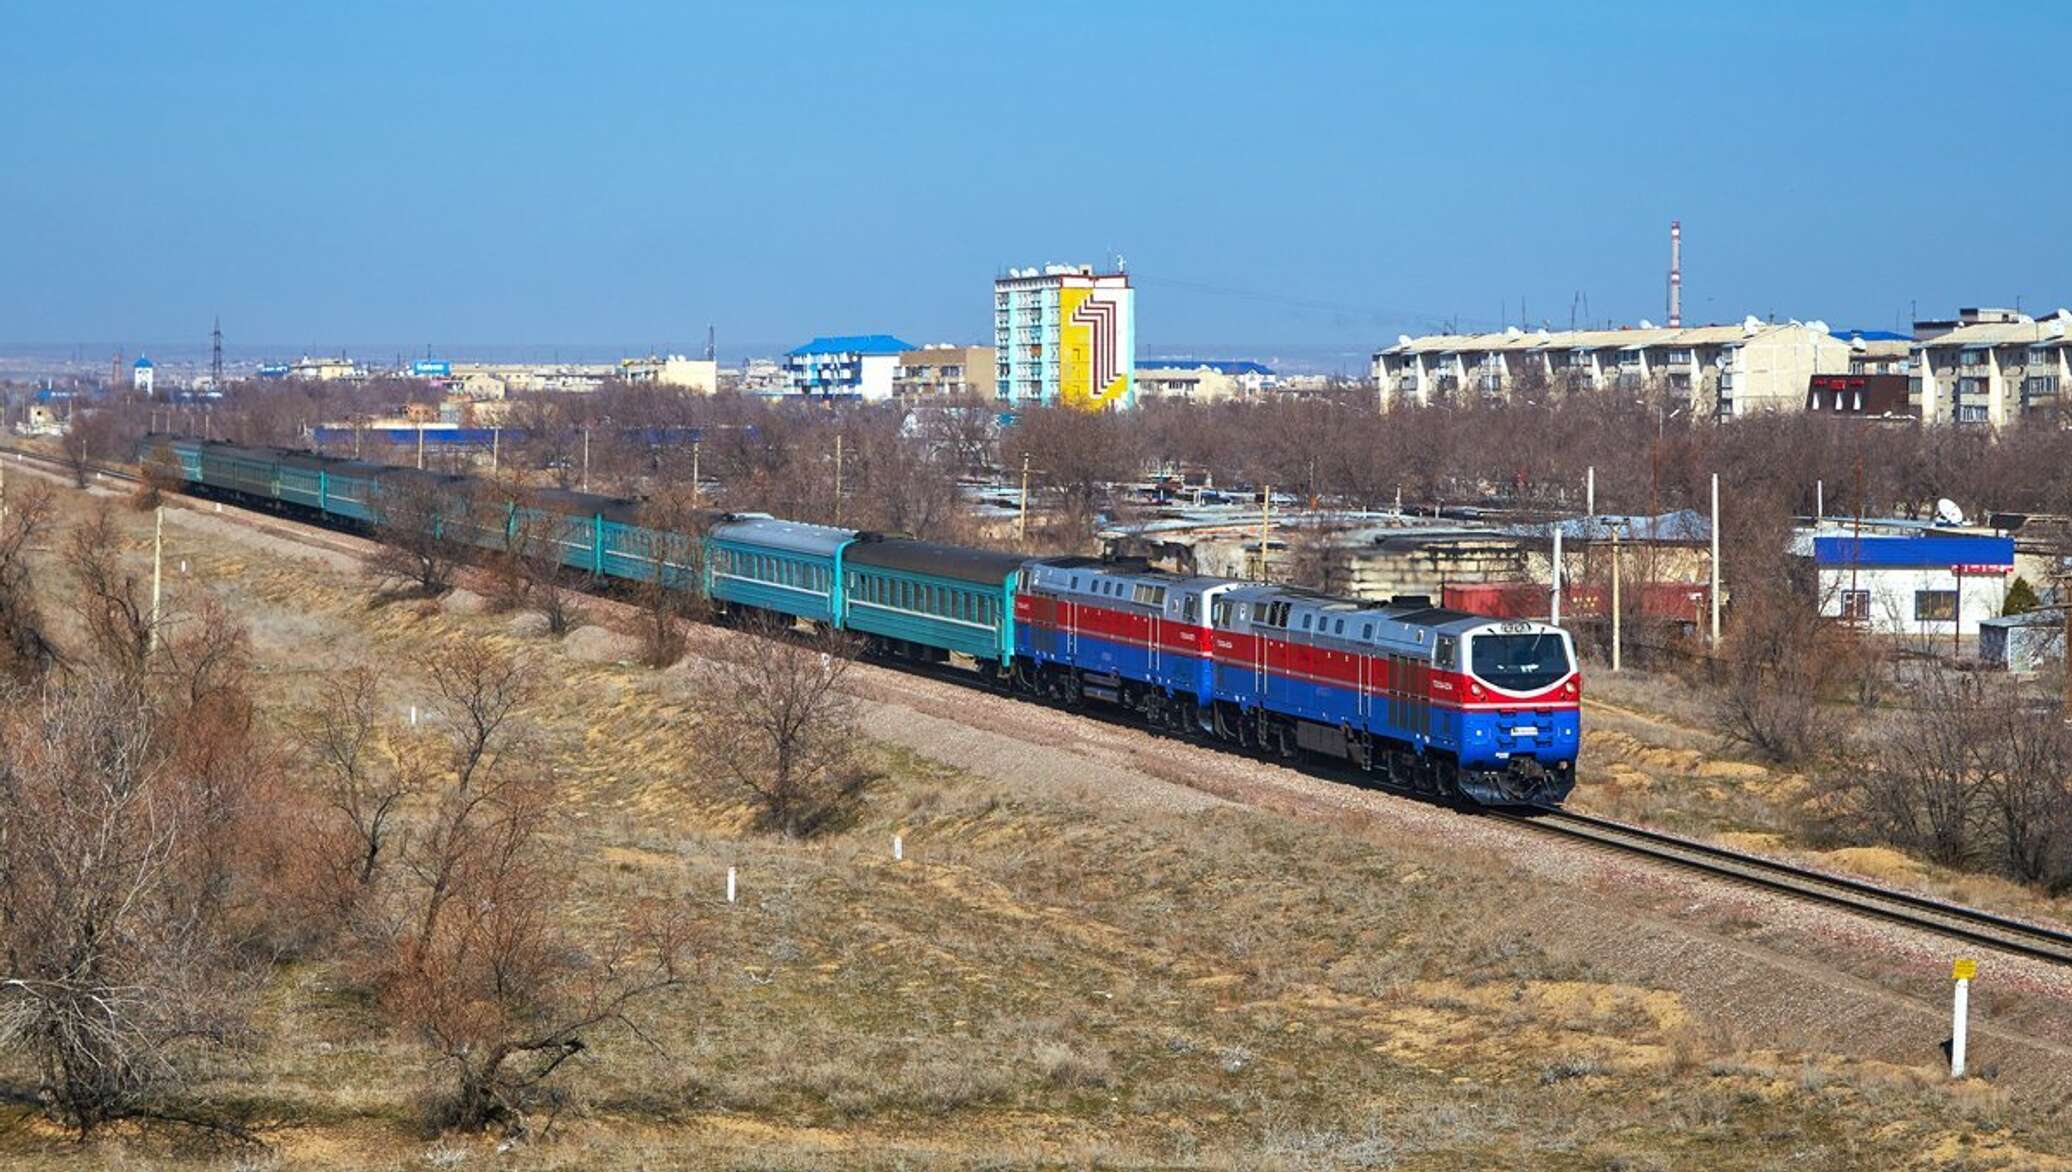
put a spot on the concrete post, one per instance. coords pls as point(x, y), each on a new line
point(1715, 559)
point(1961, 974)
point(1615, 600)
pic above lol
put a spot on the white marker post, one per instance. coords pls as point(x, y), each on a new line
point(898, 849)
point(1554, 601)
point(730, 884)
point(413, 716)
point(1960, 974)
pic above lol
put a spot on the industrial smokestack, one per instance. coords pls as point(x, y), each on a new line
point(1675, 274)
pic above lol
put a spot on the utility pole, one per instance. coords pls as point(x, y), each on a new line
point(420, 445)
point(1265, 522)
point(694, 474)
point(1615, 599)
point(496, 443)
point(1715, 560)
point(838, 479)
point(157, 576)
point(1590, 490)
point(586, 458)
point(1021, 523)
point(1554, 610)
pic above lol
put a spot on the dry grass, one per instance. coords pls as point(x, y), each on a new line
point(1052, 981)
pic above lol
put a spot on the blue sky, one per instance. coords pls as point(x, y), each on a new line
point(1290, 174)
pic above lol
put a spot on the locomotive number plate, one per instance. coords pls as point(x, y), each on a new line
point(1525, 730)
point(1514, 628)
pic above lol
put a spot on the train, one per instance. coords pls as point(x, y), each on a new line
point(1462, 707)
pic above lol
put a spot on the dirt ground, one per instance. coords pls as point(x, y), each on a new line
point(1103, 948)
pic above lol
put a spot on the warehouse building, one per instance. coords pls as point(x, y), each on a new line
point(1931, 584)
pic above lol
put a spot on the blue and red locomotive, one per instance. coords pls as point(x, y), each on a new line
point(1435, 700)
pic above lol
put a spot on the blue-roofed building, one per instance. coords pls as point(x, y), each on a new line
point(143, 375)
point(1202, 380)
point(844, 366)
point(1932, 583)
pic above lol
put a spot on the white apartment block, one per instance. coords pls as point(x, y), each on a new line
point(1717, 370)
point(1990, 366)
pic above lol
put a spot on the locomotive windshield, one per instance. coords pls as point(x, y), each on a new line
point(1520, 663)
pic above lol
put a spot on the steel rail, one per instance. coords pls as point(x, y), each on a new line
point(1971, 925)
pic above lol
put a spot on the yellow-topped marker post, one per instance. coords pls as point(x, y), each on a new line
point(1961, 973)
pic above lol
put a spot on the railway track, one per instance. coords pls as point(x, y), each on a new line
point(1954, 921)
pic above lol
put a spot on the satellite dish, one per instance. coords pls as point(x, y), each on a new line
point(1646, 324)
point(1947, 512)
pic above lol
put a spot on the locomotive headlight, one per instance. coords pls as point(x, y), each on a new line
point(1475, 690)
point(1570, 689)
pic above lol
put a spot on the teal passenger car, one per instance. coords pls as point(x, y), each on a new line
point(926, 599)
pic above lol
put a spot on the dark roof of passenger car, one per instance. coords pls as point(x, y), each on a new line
point(932, 557)
point(572, 503)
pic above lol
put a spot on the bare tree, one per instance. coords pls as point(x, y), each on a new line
point(773, 718)
point(412, 511)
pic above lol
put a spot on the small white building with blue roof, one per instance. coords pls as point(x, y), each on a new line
point(844, 366)
point(143, 375)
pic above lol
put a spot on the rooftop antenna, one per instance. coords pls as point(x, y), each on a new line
point(216, 355)
point(1675, 274)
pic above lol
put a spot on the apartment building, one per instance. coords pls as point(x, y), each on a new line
point(1722, 370)
point(845, 366)
point(945, 369)
point(1990, 366)
point(1200, 381)
point(1064, 334)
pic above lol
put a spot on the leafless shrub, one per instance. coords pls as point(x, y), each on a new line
point(1776, 679)
point(673, 591)
point(359, 780)
point(412, 511)
point(467, 952)
point(774, 720)
point(26, 650)
point(113, 600)
point(144, 833)
point(1965, 771)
